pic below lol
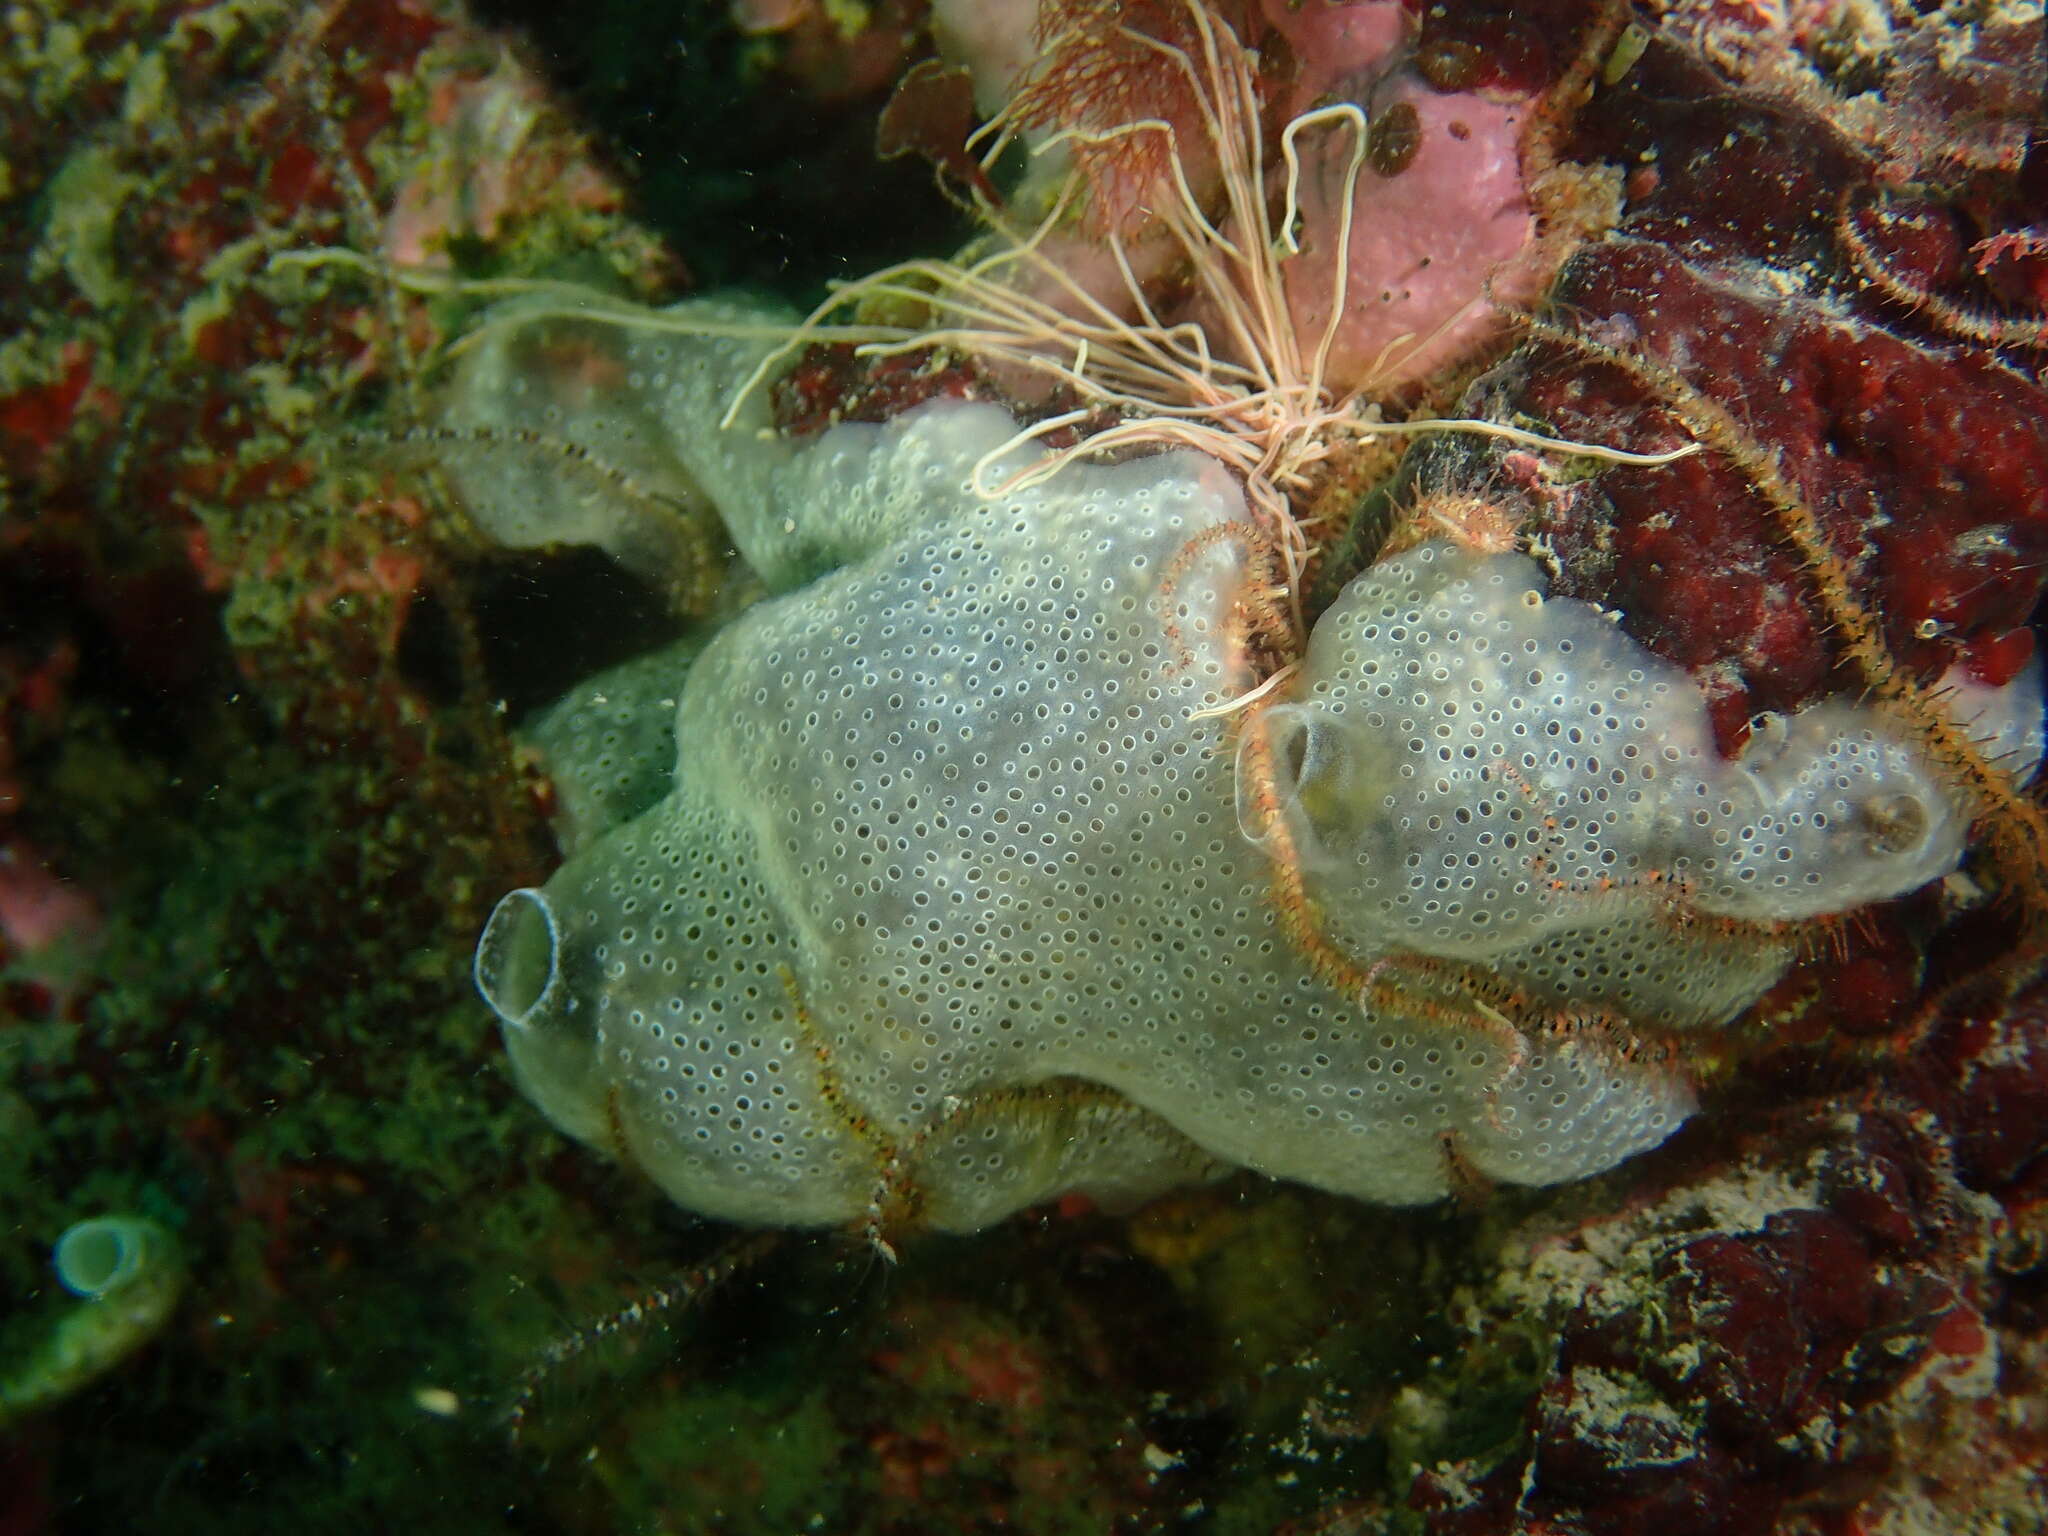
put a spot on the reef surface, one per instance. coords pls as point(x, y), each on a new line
point(304, 661)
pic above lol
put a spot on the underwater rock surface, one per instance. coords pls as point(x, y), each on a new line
point(269, 754)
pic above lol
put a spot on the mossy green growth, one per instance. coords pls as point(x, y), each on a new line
point(759, 1452)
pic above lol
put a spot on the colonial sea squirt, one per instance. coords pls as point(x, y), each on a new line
point(943, 880)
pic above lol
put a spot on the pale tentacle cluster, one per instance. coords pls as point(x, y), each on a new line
point(1255, 397)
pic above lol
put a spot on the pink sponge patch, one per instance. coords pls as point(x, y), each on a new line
point(38, 911)
point(1439, 212)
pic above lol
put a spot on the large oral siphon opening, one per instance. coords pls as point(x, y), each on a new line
point(102, 1255)
point(518, 957)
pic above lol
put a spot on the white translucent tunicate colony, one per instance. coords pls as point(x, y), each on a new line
point(619, 732)
point(1476, 772)
point(947, 891)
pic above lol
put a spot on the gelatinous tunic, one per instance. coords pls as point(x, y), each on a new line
point(948, 899)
